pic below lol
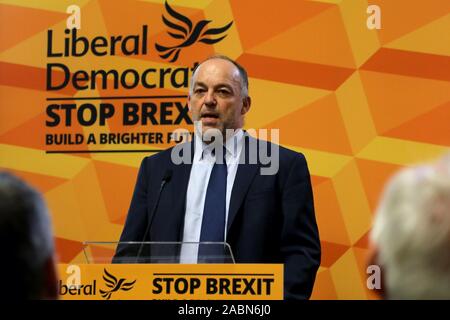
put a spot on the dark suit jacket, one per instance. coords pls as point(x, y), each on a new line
point(271, 217)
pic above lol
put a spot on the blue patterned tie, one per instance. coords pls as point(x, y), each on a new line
point(213, 223)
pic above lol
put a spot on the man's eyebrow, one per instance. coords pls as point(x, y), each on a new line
point(200, 84)
point(224, 85)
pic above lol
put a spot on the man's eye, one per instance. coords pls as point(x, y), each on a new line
point(223, 92)
point(199, 90)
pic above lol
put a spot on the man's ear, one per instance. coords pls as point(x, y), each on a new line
point(50, 289)
point(189, 102)
point(246, 103)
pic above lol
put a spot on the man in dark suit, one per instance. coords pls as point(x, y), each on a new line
point(224, 194)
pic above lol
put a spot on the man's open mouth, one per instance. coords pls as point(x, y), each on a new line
point(210, 115)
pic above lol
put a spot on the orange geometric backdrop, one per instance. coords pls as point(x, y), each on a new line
point(359, 103)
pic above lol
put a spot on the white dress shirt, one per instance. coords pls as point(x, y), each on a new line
point(198, 183)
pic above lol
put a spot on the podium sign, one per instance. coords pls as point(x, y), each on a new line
point(171, 281)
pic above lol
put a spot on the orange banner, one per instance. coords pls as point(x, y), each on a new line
point(171, 282)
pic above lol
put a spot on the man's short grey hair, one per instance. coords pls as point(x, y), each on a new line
point(26, 238)
point(242, 73)
point(412, 233)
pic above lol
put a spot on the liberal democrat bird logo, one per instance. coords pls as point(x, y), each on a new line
point(190, 34)
point(115, 285)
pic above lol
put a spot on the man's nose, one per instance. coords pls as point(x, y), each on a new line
point(210, 99)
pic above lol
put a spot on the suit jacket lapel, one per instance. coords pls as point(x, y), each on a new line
point(181, 181)
point(244, 176)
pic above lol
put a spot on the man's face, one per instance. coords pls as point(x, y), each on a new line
point(216, 99)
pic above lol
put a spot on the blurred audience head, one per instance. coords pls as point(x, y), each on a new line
point(411, 233)
point(27, 269)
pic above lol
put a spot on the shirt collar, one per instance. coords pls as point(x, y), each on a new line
point(233, 145)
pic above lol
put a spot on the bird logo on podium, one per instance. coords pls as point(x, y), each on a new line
point(183, 29)
point(114, 284)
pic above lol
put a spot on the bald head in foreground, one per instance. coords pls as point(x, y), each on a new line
point(411, 233)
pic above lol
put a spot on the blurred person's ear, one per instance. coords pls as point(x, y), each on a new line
point(372, 260)
point(50, 289)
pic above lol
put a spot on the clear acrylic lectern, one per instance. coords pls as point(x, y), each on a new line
point(157, 252)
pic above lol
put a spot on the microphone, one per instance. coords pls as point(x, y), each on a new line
point(166, 178)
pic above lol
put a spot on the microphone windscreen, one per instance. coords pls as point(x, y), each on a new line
point(167, 175)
